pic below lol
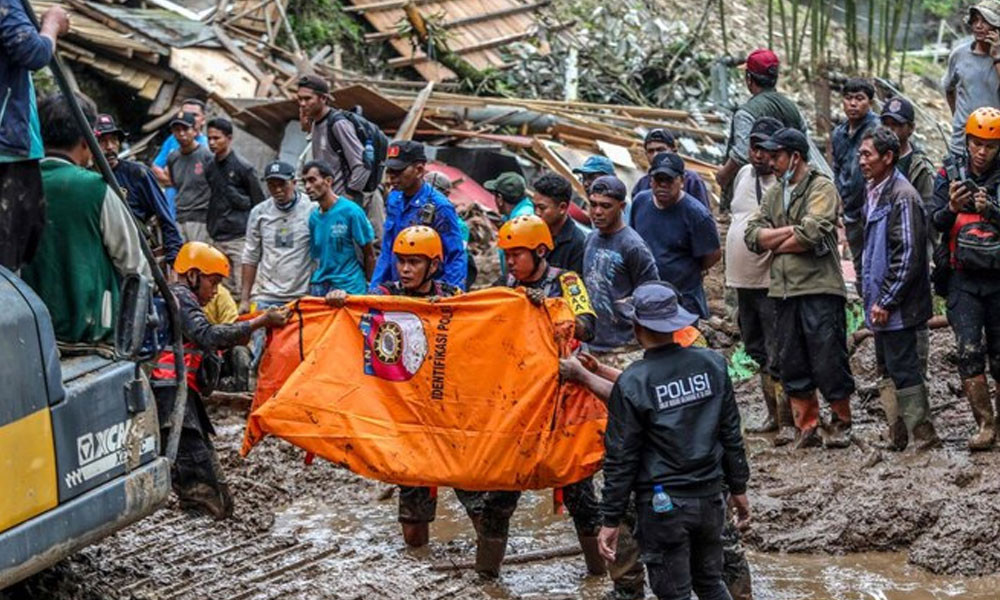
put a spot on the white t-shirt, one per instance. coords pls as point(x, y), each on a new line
point(746, 269)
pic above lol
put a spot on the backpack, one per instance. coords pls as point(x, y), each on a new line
point(374, 145)
point(977, 246)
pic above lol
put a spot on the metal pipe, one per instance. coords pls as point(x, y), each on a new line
point(180, 397)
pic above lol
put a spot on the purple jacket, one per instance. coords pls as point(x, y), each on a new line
point(895, 272)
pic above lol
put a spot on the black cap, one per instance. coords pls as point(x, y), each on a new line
point(314, 83)
point(188, 119)
point(403, 154)
point(609, 185)
point(667, 163)
point(660, 135)
point(279, 170)
point(898, 109)
point(105, 124)
point(787, 138)
point(763, 128)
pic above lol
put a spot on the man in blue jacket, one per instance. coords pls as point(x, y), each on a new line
point(22, 203)
point(413, 201)
point(144, 195)
point(896, 288)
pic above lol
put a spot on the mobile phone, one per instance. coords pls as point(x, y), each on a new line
point(971, 186)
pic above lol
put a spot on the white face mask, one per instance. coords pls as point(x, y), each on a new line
point(786, 180)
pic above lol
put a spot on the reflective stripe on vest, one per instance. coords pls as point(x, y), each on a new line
point(164, 369)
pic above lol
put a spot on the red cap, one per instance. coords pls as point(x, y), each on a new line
point(762, 62)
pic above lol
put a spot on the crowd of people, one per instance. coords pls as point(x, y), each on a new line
point(632, 271)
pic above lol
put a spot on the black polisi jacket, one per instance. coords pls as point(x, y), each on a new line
point(673, 422)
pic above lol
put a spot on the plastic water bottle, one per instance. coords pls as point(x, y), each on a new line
point(661, 500)
point(369, 156)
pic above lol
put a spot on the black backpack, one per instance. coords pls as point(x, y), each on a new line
point(368, 134)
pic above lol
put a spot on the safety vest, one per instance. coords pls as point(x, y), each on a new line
point(689, 336)
point(164, 368)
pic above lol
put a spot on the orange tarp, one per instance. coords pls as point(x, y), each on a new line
point(463, 392)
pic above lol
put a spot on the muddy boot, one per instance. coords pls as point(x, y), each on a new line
point(786, 424)
point(838, 433)
point(416, 535)
point(978, 394)
point(206, 499)
point(896, 435)
point(489, 555)
point(805, 413)
point(591, 555)
point(916, 414)
point(769, 424)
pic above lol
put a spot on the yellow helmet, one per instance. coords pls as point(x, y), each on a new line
point(984, 123)
point(201, 256)
point(418, 240)
point(525, 232)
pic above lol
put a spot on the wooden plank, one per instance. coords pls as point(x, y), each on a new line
point(151, 89)
point(384, 5)
point(228, 43)
point(164, 98)
point(408, 61)
point(468, 20)
point(214, 69)
point(556, 164)
point(409, 124)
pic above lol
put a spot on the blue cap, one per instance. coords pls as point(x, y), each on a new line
point(667, 163)
point(655, 306)
point(596, 164)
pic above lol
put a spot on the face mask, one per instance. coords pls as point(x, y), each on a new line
point(786, 180)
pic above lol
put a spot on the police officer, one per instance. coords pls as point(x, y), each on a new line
point(196, 476)
point(673, 439)
point(526, 241)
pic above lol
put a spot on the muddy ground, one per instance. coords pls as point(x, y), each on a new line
point(322, 532)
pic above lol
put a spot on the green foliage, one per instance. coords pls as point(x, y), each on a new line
point(943, 8)
point(741, 366)
point(320, 22)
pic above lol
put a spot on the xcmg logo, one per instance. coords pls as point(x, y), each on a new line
point(93, 446)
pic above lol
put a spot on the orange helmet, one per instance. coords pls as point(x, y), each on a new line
point(418, 240)
point(201, 256)
point(984, 123)
point(525, 232)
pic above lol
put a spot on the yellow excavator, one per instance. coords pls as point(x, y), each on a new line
point(80, 449)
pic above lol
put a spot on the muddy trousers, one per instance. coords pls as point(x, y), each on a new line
point(897, 355)
point(580, 499)
point(682, 549)
point(491, 510)
point(756, 312)
point(22, 212)
point(417, 504)
point(812, 338)
point(197, 461)
point(629, 577)
point(972, 315)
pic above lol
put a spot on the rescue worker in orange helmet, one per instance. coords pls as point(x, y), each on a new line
point(967, 268)
point(419, 253)
point(526, 241)
point(196, 478)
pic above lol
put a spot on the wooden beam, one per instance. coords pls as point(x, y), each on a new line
point(556, 164)
point(409, 124)
point(471, 20)
point(247, 11)
point(385, 5)
point(164, 98)
point(409, 61)
point(241, 57)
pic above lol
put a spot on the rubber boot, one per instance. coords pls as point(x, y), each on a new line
point(805, 413)
point(769, 424)
point(786, 424)
point(978, 394)
point(592, 556)
point(896, 434)
point(916, 413)
point(489, 555)
point(838, 433)
point(416, 535)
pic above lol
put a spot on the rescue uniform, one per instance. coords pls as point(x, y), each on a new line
point(202, 343)
point(580, 498)
point(417, 504)
point(673, 422)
